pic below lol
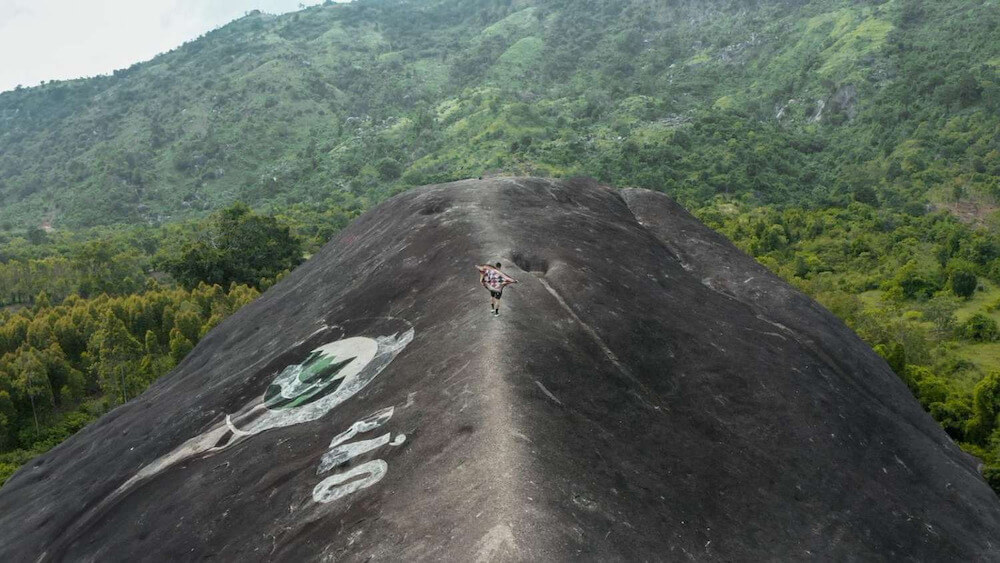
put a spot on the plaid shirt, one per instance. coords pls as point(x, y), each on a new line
point(495, 279)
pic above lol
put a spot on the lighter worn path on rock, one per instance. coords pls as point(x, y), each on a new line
point(513, 460)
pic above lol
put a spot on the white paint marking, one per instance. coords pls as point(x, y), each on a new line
point(332, 488)
point(367, 424)
point(232, 428)
point(314, 333)
point(341, 454)
point(257, 418)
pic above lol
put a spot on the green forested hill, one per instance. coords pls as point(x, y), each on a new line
point(787, 101)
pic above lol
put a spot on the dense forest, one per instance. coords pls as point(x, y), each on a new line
point(852, 146)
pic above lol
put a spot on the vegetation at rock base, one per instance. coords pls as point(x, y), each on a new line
point(852, 146)
point(100, 338)
point(62, 366)
point(891, 277)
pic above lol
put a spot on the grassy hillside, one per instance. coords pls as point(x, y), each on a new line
point(781, 100)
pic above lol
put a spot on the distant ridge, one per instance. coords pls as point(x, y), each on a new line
point(779, 101)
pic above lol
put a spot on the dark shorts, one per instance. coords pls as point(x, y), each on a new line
point(496, 294)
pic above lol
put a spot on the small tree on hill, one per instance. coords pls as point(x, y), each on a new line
point(980, 328)
point(963, 280)
point(118, 354)
point(986, 405)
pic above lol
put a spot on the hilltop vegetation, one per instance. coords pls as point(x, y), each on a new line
point(778, 100)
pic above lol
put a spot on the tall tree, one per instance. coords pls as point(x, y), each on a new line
point(117, 355)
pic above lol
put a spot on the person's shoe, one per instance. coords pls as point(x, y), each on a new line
point(496, 312)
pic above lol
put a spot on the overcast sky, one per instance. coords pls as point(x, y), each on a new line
point(59, 39)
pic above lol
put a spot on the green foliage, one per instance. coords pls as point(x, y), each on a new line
point(953, 415)
point(992, 475)
point(180, 345)
point(116, 355)
point(62, 365)
point(962, 279)
point(915, 283)
point(239, 247)
point(940, 310)
point(986, 406)
point(979, 328)
point(696, 99)
point(929, 389)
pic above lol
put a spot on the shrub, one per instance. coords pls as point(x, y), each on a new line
point(389, 169)
point(992, 475)
point(915, 282)
point(953, 416)
point(986, 406)
point(979, 328)
point(963, 281)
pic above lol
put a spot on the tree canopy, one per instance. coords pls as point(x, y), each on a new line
point(239, 246)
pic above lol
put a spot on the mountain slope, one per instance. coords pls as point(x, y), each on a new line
point(647, 392)
point(784, 100)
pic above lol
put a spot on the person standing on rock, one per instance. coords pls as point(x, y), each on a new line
point(494, 281)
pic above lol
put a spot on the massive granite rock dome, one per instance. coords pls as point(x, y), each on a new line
point(648, 392)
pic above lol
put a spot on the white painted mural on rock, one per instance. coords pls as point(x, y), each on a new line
point(301, 393)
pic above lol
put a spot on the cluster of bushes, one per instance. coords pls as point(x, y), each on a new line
point(971, 419)
point(232, 245)
point(859, 247)
point(91, 269)
point(238, 246)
